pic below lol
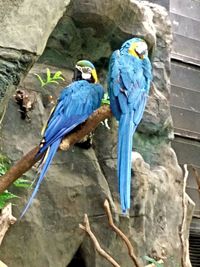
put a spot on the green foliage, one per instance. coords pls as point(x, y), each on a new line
point(4, 164)
point(50, 78)
point(6, 195)
point(3, 169)
point(105, 100)
point(151, 260)
point(23, 183)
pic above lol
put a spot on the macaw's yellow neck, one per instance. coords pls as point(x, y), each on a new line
point(94, 75)
point(132, 50)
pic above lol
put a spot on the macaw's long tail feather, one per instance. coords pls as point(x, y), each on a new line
point(125, 143)
point(68, 127)
point(47, 161)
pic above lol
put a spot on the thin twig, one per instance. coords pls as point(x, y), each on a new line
point(121, 234)
point(29, 159)
point(101, 251)
point(184, 252)
point(3, 114)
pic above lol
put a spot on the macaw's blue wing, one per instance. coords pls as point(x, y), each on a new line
point(114, 84)
point(75, 104)
point(128, 83)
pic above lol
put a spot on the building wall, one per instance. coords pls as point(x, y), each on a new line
point(185, 86)
point(185, 100)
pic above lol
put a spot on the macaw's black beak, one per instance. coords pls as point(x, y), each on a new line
point(77, 75)
point(142, 54)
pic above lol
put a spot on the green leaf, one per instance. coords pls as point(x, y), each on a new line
point(3, 169)
point(48, 76)
point(49, 79)
point(54, 82)
point(105, 100)
point(60, 78)
point(23, 183)
point(57, 76)
point(151, 260)
point(4, 197)
point(42, 83)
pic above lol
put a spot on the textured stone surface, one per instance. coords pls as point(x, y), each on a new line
point(13, 66)
point(79, 180)
point(92, 29)
point(26, 25)
point(25, 28)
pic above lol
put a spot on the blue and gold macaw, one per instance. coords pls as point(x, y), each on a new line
point(129, 81)
point(75, 104)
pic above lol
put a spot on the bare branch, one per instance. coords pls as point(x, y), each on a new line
point(101, 251)
point(6, 219)
point(29, 159)
point(121, 234)
point(182, 237)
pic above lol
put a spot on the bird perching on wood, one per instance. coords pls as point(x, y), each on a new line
point(129, 81)
point(74, 105)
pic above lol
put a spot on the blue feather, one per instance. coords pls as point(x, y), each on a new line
point(75, 104)
point(129, 79)
point(126, 126)
point(51, 153)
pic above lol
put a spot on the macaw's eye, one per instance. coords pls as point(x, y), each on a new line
point(84, 69)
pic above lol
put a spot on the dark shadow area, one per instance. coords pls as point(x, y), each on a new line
point(78, 260)
point(194, 248)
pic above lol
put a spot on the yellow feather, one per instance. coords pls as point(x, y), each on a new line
point(94, 75)
point(46, 124)
point(46, 155)
point(41, 164)
point(132, 50)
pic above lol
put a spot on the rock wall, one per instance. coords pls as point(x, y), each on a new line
point(79, 180)
point(25, 28)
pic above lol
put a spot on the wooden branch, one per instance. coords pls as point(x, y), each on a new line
point(6, 219)
point(23, 165)
point(184, 205)
point(29, 159)
point(121, 234)
point(101, 251)
point(90, 125)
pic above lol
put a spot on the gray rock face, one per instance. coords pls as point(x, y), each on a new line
point(13, 66)
point(25, 27)
point(80, 180)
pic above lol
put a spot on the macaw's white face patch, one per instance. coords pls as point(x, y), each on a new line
point(141, 48)
point(86, 76)
point(85, 71)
